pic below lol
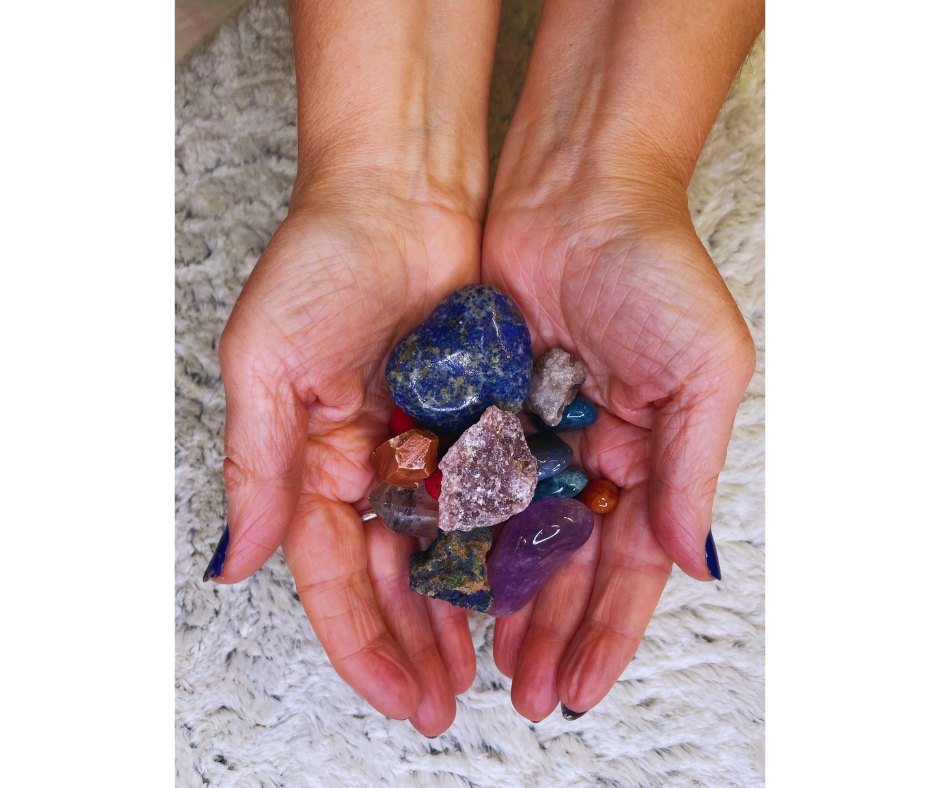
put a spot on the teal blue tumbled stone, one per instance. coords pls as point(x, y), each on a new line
point(576, 416)
point(566, 484)
point(474, 351)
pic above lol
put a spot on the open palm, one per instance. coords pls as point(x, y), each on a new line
point(302, 361)
point(634, 295)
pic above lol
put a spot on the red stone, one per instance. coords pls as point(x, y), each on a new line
point(433, 483)
point(600, 496)
point(401, 422)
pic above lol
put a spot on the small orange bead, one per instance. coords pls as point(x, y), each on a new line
point(600, 496)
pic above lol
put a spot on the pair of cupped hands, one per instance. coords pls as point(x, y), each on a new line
point(612, 272)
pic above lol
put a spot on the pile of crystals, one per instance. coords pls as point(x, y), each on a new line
point(459, 381)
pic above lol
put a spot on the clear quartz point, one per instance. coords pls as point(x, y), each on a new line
point(407, 512)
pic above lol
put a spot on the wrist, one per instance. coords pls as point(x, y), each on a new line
point(392, 100)
point(590, 182)
point(621, 94)
point(392, 168)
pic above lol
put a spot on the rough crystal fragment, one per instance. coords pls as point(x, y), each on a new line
point(579, 414)
point(556, 378)
point(407, 512)
point(551, 453)
point(531, 547)
point(474, 351)
point(453, 568)
point(406, 459)
point(600, 496)
point(566, 484)
point(489, 473)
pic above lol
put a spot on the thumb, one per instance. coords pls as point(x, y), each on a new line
point(265, 432)
point(690, 436)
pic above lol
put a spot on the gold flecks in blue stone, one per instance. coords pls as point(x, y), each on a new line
point(474, 351)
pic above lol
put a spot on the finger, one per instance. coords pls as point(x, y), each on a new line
point(265, 432)
point(559, 610)
point(611, 449)
point(451, 629)
point(326, 552)
point(406, 616)
point(508, 635)
point(689, 442)
point(455, 645)
point(630, 578)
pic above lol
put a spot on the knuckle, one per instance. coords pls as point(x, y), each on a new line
point(232, 343)
point(744, 344)
point(744, 354)
point(232, 474)
point(736, 357)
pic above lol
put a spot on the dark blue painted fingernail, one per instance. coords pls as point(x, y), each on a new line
point(218, 558)
point(711, 557)
point(568, 714)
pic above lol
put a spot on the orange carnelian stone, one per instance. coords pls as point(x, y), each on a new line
point(600, 496)
point(407, 459)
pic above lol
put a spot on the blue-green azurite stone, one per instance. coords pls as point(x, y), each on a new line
point(551, 453)
point(474, 351)
point(576, 416)
point(453, 568)
point(566, 484)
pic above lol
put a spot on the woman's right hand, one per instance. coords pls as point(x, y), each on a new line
point(302, 359)
point(385, 221)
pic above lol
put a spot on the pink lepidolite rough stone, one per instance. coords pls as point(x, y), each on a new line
point(556, 378)
point(489, 474)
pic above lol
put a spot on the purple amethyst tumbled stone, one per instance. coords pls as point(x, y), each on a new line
point(531, 547)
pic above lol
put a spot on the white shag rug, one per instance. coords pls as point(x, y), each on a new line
point(257, 702)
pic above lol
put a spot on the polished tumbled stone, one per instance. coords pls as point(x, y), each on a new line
point(401, 422)
point(551, 453)
point(407, 512)
point(531, 547)
point(489, 473)
point(433, 484)
point(600, 496)
point(556, 378)
point(566, 484)
point(576, 416)
point(453, 568)
point(474, 351)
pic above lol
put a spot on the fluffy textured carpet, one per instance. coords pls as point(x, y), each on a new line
point(257, 701)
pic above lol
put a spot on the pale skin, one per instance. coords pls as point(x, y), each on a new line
point(588, 231)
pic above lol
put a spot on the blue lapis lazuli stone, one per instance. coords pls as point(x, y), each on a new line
point(474, 351)
point(576, 416)
point(566, 484)
point(551, 453)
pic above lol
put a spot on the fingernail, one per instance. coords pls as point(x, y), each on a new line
point(711, 557)
point(568, 714)
point(218, 558)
